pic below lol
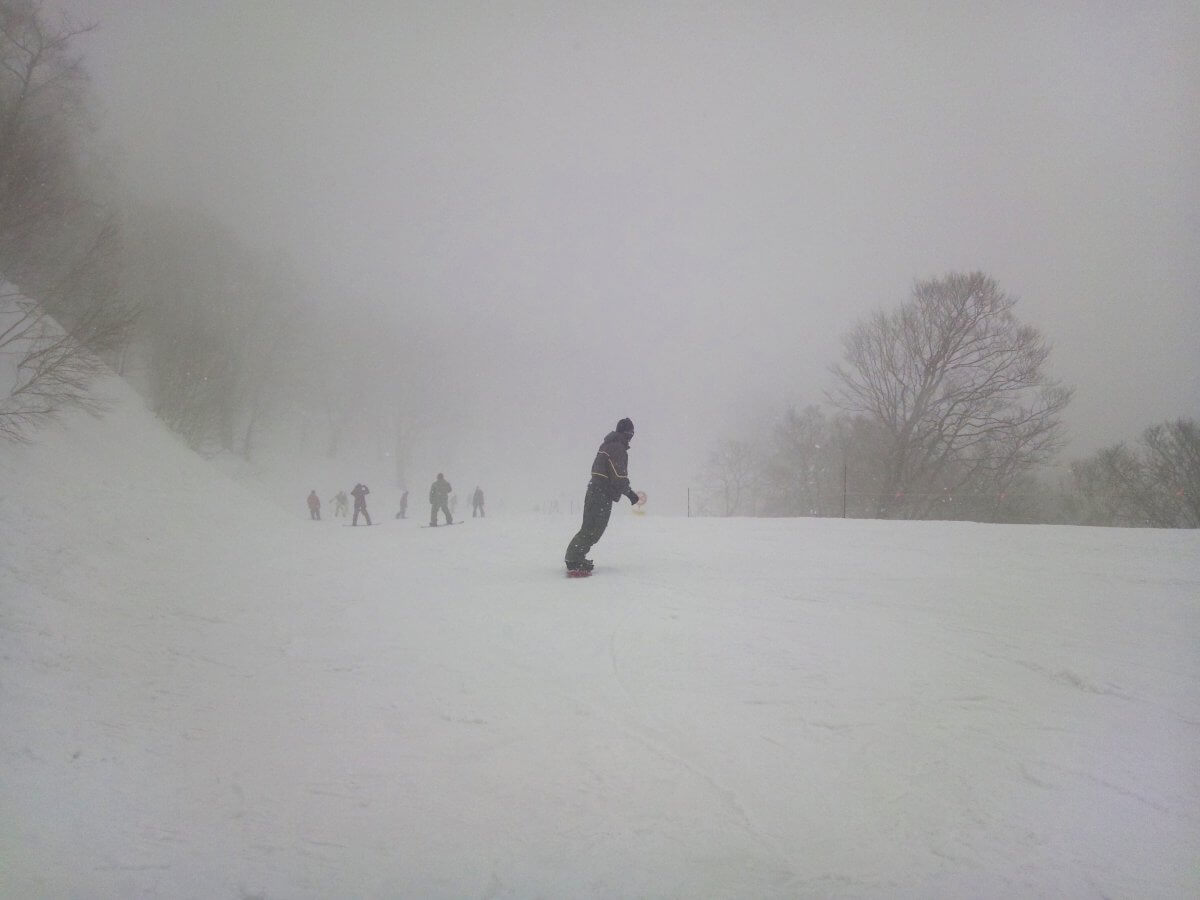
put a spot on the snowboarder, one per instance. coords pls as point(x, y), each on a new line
point(360, 503)
point(439, 494)
point(341, 504)
point(477, 502)
point(609, 482)
point(314, 506)
point(403, 506)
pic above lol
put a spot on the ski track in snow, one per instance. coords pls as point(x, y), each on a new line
point(206, 696)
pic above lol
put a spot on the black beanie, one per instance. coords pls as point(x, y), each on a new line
point(625, 425)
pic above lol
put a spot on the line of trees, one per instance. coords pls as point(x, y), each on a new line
point(942, 408)
point(1155, 483)
point(226, 342)
point(61, 310)
point(233, 351)
point(816, 462)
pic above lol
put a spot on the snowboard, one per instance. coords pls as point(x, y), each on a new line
point(460, 522)
point(363, 525)
point(579, 573)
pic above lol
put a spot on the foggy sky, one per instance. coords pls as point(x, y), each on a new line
point(673, 211)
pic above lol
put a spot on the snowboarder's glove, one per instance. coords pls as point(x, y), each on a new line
point(633, 497)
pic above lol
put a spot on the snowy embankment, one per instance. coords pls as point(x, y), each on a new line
point(204, 695)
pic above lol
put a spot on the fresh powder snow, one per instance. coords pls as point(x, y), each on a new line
point(206, 694)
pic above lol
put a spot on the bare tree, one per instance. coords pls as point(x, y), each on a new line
point(42, 103)
point(220, 326)
point(58, 247)
point(733, 474)
point(1106, 487)
point(1156, 485)
point(1173, 462)
point(808, 460)
point(48, 369)
point(957, 385)
point(53, 360)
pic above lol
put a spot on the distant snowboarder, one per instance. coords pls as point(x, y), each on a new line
point(609, 482)
point(403, 506)
point(314, 506)
point(341, 504)
point(360, 503)
point(477, 502)
point(439, 495)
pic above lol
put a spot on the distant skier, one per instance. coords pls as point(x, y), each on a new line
point(609, 482)
point(439, 495)
point(403, 506)
point(360, 503)
point(314, 506)
point(341, 504)
point(477, 502)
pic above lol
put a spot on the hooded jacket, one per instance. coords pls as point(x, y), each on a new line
point(610, 470)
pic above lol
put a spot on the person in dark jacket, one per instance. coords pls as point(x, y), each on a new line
point(314, 506)
point(609, 483)
point(360, 503)
point(477, 502)
point(439, 495)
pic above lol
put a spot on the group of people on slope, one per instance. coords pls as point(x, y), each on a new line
point(341, 503)
point(439, 495)
point(608, 484)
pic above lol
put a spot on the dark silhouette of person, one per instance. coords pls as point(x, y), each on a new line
point(439, 496)
point(314, 506)
point(403, 506)
point(477, 502)
point(341, 504)
point(608, 484)
point(360, 503)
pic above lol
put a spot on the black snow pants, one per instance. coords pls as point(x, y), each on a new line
point(596, 511)
point(361, 508)
point(433, 511)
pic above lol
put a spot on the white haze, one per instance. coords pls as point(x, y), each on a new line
point(673, 211)
point(205, 695)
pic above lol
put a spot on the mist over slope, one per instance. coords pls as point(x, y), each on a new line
point(206, 694)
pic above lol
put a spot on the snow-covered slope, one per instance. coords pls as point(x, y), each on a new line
point(204, 695)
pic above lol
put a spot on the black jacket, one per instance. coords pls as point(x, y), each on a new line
point(610, 470)
point(439, 491)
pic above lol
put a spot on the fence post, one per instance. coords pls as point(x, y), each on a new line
point(844, 473)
